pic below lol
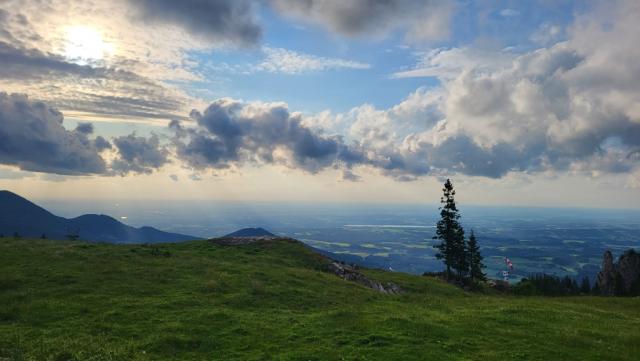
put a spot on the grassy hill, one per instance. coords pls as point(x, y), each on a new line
point(63, 300)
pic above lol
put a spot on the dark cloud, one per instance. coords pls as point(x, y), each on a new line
point(32, 137)
point(424, 20)
point(462, 155)
point(102, 144)
point(232, 133)
point(138, 154)
point(85, 128)
point(23, 63)
point(215, 20)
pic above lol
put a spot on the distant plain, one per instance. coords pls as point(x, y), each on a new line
point(560, 241)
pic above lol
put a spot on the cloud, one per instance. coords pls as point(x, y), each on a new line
point(174, 177)
point(130, 81)
point(34, 139)
point(448, 63)
point(546, 34)
point(571, 107)
point(349, 176)
point(138, 154)
point(85, 128)
point(102, 144)
point(8, 173)
point(422, 20)
point(32, 64)
point(509, 13)
point(567, 108)
point(83, 88)
point(232, 133)
point(218, 21)
point(285, 61)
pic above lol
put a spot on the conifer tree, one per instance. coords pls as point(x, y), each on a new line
point(451, 250)
point(585, 286)
point(475, 259)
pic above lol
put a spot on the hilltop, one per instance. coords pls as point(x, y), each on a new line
point(251, 232)
point(276, 299)
point(23, 217)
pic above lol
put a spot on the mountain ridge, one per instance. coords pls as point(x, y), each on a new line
point(19, 215)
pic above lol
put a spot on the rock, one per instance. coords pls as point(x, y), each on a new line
point(606, 277)
point(621, 278)
point(349, 273)
point(236, 241)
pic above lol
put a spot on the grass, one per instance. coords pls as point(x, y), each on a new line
point(62, 300)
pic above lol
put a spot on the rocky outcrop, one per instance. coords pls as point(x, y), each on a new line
point(236, 241)
point(349, 273)
point(622, 277)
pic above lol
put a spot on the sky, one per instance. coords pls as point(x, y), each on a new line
point(521, 103)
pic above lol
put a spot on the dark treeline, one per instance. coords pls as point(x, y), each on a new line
point(550, 285)
point(620, 278)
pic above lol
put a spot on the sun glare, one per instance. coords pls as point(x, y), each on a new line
point(84, 44)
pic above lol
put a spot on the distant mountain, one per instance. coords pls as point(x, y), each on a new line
point(18, 215)
point(251, 232)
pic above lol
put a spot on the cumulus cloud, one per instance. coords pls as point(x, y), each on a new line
point(138, 154)
point(34, 139)
point(231, 133)
point(571, 107)
point(101, 143)
point(225, 21)
point(422, 20)
point(280, 60)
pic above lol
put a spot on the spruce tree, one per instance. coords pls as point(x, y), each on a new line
point(475, 259)
point(618, 285)
point(451, 250)
point(585, 287)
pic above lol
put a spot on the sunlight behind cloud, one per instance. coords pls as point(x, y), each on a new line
point(85, 44)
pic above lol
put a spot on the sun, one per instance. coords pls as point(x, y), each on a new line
point(85, 44)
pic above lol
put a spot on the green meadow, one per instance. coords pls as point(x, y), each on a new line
point(62, 300)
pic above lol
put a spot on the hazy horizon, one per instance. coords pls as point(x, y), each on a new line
point(561, 241)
